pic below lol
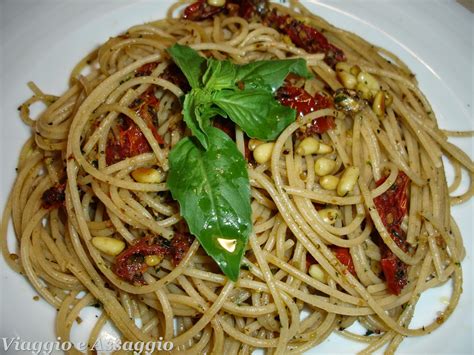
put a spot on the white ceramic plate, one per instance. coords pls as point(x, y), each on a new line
point(42, 40)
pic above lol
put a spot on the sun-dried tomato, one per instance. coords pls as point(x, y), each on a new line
point(201, 10)
point(345, 258)
point(131, 140)
point(305, 37)
point(54, 197)
point(300, 100)
point(147, 108)
point(130, 264)
point(175, 75)
point(146, 69)
point(395, 272)
point(180, 245)
point(171, 73)
point(250, 8)
point(392, 207)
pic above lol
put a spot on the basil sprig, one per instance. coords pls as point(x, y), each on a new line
point(208, 175)
point(212, 187)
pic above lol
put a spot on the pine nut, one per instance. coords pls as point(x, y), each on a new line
point(348, 80)
point(364, 91)
point(368, 80)
point(355, 70)
point(153, 260)
point(317, 273)
point(348, 180)
point(378, 106)
point(329, 182)
point(343, 67)
point(324, 148)
point(254, 143)
point(324, 166)
point(388, 98)
point(109, 246)
point(329, 215)
point(263, 152)
point(147, 175)
point(218, 3)
point(308, 146)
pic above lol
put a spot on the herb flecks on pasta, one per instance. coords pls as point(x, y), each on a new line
point(236, 177)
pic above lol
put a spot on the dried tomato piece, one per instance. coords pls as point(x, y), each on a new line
point(345, 258)
point(146, 69)
point(320, 125)
point(392, 207)
point(174, 74)
point(146, 106)
point(201, 10)
point(395, 271)
point(131, 140)
point(300, 100)
point(342, 254)
point(180, 245)
point(251, 8)
point(130, 263)
point(306, 37)
point(54, 197)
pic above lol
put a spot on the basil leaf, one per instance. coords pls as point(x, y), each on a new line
point(256, 112)
point(220, 74)
point(270, 73)
point(208, 175)
point(192, 116)
point(213, 191)
point(209, 112)
point(190, 63)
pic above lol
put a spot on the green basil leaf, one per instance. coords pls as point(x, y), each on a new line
point(190, 63)
point(213, 191)
point(220, 74)
point(197, 123)
point(270, 73)
point(256, 112)
point(209, 112)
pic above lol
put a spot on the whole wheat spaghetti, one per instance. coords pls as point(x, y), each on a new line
point(350, 207)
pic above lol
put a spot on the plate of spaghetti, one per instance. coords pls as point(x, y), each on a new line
point(232, 176)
